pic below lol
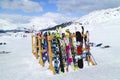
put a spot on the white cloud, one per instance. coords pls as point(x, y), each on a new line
point(8, 21)
point(15, 18)
point(6, 25)
point(25, 5)
point(49, 19)
point(84, 6)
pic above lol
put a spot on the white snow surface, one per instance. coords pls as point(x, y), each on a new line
point(21, 64)
point(100, 16)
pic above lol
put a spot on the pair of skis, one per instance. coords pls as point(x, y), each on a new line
point(89, 56)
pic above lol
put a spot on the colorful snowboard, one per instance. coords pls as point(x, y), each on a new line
point(79, 40)
point(60, 52)
point(55, 55)
point(45, 47)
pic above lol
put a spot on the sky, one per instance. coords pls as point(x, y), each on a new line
point(25, 13)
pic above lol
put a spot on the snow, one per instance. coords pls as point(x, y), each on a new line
point(21, 64)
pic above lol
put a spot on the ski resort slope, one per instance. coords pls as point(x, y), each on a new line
point(20, 64)
point(100, 16)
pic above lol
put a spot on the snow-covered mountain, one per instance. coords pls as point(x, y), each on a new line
point(100, 16)
point(94, 18)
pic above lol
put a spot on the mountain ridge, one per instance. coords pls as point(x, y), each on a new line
point(93, 18)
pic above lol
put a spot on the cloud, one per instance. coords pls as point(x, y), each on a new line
point(15, 19)
point(11, 21)
point(49, 20)
point(84, 6)
point(24, 5)
point(6, 25)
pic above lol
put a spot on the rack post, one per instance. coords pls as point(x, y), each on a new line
point(40, 51)
point(50, 53)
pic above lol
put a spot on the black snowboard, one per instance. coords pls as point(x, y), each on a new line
point(60, 55)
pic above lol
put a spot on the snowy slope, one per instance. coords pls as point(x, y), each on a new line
point(20, 64)
point(96, 17)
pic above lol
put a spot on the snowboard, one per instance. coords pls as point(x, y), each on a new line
point(55, 55)
point(79, 42)
point(73, 50)
point(60, 53)
point(65, 57)
point(45, 47)
point(68, 42)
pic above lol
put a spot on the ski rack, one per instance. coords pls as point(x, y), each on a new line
point(36, 44)
point(41, 51)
